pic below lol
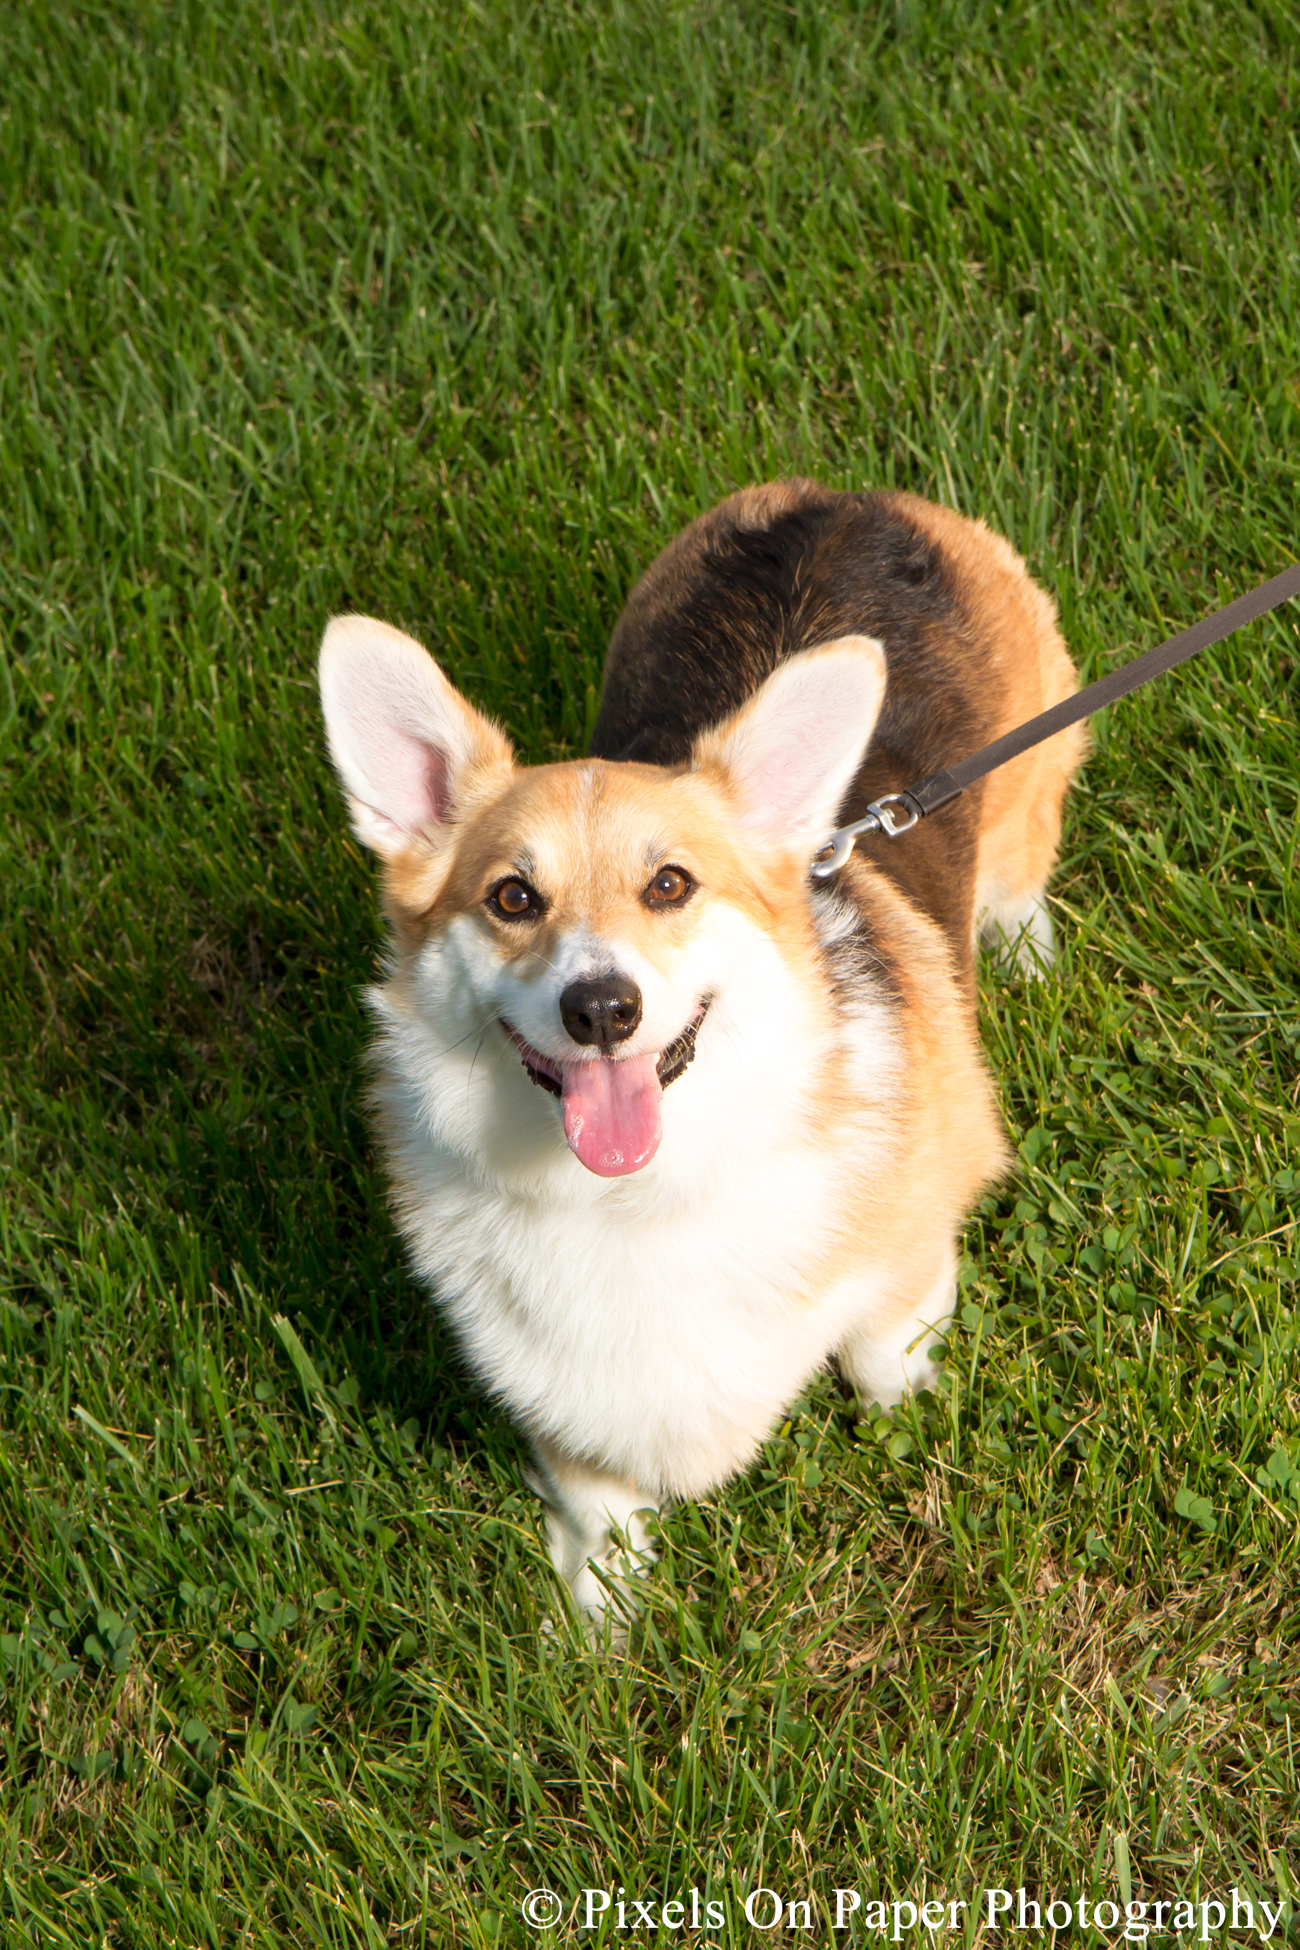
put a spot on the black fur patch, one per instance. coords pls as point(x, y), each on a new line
point(728, 601)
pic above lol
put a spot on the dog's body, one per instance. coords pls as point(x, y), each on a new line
point(648, 1296)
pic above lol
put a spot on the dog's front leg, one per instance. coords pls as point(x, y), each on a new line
point(584, 1508)
point(886, 1355)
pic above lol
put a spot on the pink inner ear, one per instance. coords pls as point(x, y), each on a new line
point(786, 777)
point(412, 777)
point(399, 734)
point(793, 750)
point(784, 770)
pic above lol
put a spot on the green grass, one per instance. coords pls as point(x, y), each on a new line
point(455, 313)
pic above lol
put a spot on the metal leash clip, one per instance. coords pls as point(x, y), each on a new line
point(941, 788)
point(880, 818)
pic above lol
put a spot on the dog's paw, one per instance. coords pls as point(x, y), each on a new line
point(605, 1588)
point(598, 1532)
point(1019, 938)
point(885, 1364)
point(604, 1596)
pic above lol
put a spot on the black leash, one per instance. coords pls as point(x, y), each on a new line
point(941, 788)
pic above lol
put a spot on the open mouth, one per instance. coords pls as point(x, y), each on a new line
point(611, 1104)
point(672, 1060)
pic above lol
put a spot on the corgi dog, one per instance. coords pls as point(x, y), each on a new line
point(668, 1122)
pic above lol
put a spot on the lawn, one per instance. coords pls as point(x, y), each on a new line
point(454, 313)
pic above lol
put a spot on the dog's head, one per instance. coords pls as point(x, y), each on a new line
point(592, 919)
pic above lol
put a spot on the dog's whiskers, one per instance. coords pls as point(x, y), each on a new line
point(480, 1030)
point(474, 1059)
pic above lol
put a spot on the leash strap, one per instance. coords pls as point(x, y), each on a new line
point(917, 802)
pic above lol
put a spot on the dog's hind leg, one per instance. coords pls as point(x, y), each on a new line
point(1015, 863)
point(595, 1522)
point(887, 1354)
point(1018, 844)
point(1017, 931)
point(1020, 816)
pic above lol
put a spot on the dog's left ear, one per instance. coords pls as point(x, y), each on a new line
point(789, 755)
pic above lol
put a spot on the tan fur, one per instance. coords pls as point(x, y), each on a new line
point(949, 1145)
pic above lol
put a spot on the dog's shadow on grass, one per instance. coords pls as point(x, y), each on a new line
point(219, 1110)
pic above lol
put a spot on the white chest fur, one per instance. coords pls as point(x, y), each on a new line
point(656, 1324)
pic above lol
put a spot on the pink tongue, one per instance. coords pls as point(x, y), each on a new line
point(611, 1113)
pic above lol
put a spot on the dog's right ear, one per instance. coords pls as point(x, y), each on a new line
point(409, 749)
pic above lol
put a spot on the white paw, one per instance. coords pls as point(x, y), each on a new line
point(1020, 938)
point(885, 1366)
point(599, 1541)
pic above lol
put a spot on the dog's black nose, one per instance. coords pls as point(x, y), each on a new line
point(601, 1012)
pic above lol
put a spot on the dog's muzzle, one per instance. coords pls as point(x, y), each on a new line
point(676, 1057)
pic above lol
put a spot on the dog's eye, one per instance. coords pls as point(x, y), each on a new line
point(514, 900)
point(669, 888)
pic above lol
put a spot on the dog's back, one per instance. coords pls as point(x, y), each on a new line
point(971, 647)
